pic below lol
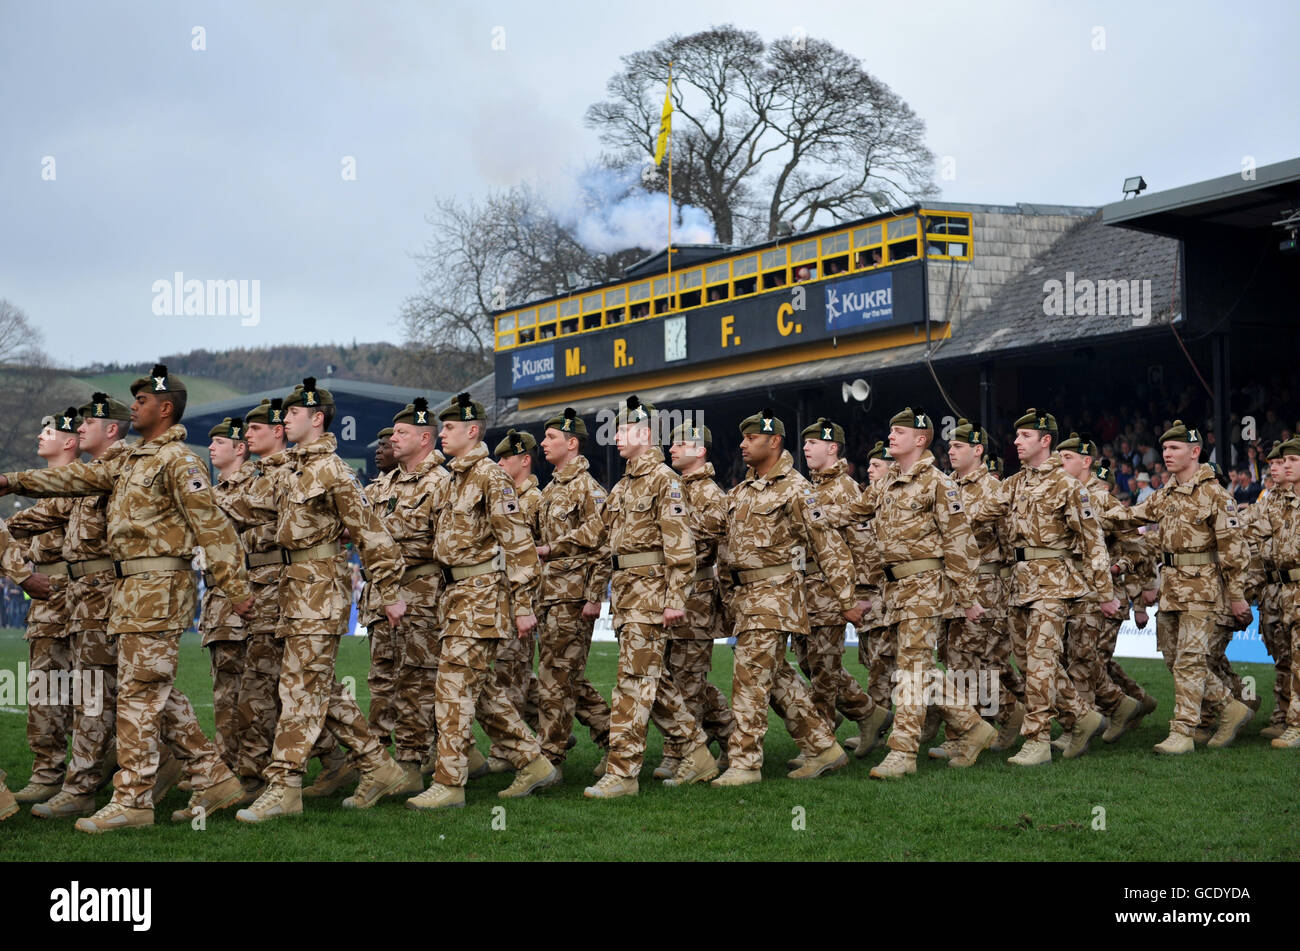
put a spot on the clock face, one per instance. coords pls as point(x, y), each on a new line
point(674, 339)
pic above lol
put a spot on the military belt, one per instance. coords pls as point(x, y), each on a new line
point(1004, 571)
point(1033, 554)
point(1185, 559)
point(761, 574)
point(638, 559)
point(1272, 577)
point(990, 568)
point(135, 566)
point(419, 571)
point(1288, 575)
point(460, 572)
point(79, 569)
point(325, 550)
point(812, 570)
point(905, 569)
point(59, 568)
point(704, 573)
point(208, 579)
point(259, 559)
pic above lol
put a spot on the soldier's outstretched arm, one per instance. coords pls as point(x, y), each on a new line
point(991, 505)
point(679, 544)
point(599, 568)
point(1083, 520)
point(379, 553)
point(590, 534)
point(961, 553)
point(35, 519)
point(77, 478)
point(832, 553)
point(213, 530)
point(859, 510)
point(1234, 553)
point(510, 528)
point(12, 562)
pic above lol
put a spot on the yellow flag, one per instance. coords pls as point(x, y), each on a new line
point(665, 123)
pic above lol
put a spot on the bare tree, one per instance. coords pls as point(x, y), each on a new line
point(20, 342)
point(795, 131)
point(30, 387)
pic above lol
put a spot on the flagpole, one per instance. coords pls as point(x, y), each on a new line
point(671, 296)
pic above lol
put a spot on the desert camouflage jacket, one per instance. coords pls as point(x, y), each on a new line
point(569, 520)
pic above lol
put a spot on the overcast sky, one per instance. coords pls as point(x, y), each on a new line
point(227, 162)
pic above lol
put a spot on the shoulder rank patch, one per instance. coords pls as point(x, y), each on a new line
point(508, 491)
point(600, 500)
point(1083, 496)
point(951, 493)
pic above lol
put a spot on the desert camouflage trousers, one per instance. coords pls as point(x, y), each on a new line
point(151, 713)
point(1277, 641)
point(563, 690)
point(761, 677)
point(876, 655)
point(94, 726)
point(465, 689)
point(687, 662)
point(820, 656)
point(1084, 632)
point(257, 708)
point(918, 681)
point(1106, 645)
point(49, 707)
point(227, 660)
point(513, 670)
point(641, 692)
point(385, 660)
point(1222, 668)
point(982, 649)
point(1037, 633)
point(1185, 639)
point(414, 689)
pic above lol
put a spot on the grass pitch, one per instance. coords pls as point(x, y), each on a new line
point(1118, 802)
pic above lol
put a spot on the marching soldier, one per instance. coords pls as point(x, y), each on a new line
point(984, 644)
point(160, 508)
point(1049, 517)
point(574, 578)
point(930, 557)
point(317, 497)
point(820, 654)
point(688, 658)
point(385, 656)
point(89, 593)
point(1272, 628)
point(49, 719)
point(1087, 626)
point(773, 521)
point(490, 570)
point(1204, 554)
point(385, 461)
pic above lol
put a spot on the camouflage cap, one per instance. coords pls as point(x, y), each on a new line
point(270, 412)
point(515, 444)
point(880, 451)
point(1275, 452)
point(689, 432)
point(632, 410)
point(1291, 447)
point(824, 430)
point(1181, 432)
point(158, 381)
point(103, 406)
point(65, 422)
point(384, 433)
point(764, 423)
point(308, 394)
point(465, 410)
point(1081, 443)
point(970, 433)
point(229, 428)
point(1104, 471)
point(912, 420)
point(569, 423)
point(416, 413)
point(1040, 422)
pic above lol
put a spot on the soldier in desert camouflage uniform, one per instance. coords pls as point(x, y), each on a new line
point(820, 654)
point(773, 523)
point(490, 569)
point(688, 658)
point(160, 508)
point(89, 593)
point(317, 496)
point(43, 526)
point(1049, 518)
point(574, 578)
point(385, 656)
point(1272, 629)
point(930, 558)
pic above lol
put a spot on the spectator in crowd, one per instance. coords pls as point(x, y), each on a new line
point(1143, 482)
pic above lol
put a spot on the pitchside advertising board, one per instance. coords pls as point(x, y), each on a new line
point(780, 319)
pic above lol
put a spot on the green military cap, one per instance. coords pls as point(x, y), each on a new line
point(763, 423)
point(993, 464)
point(65, 422)
point(1041, 422)
point(690, 432)
point(384, 433)
point(308, 394)
point(1105, 472)
point(824, 430)
point(103, 406)
point(1080, 443)
point(880, 451)
point(1220, 474)
point(270, 412)
point(1289, 448)
point(1181, 432)
point(569, 423)
point(632, 410)
point(1275, 452)
point(417, 413)
point(912, 420)
point(515, 444)
point(971, 433)
point(229, 429)
point(465, 410)
point(158, 381)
